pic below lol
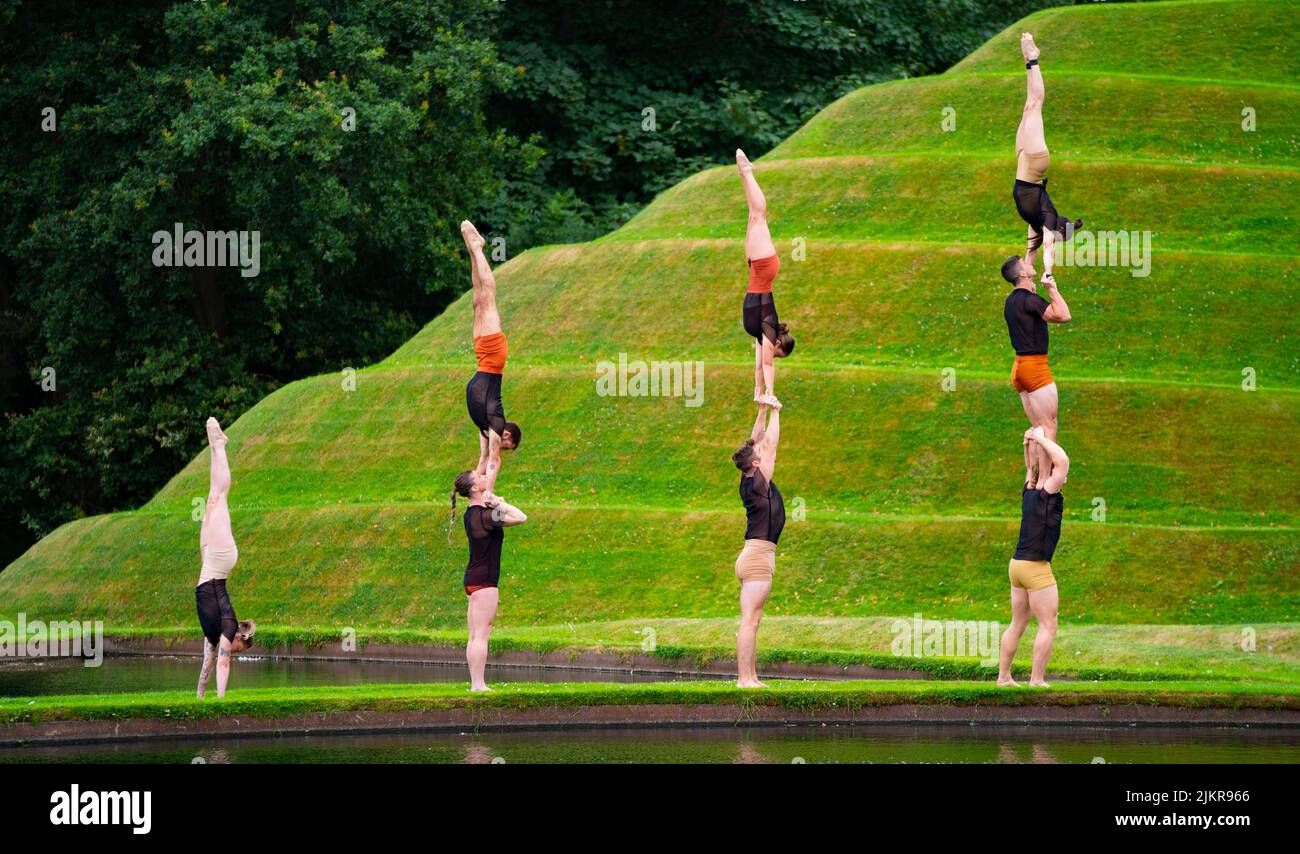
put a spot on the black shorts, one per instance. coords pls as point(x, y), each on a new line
point(759, 316)
point(483, 399)
point(216, 614)
point(1035, 207)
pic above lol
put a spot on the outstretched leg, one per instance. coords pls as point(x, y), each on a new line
point(487, 320)
point(215, 529)
point(482, 612)
point(1030, 137)
point(758, 239)
point(753, 595)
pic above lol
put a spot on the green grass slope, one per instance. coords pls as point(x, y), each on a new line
point(908, 493)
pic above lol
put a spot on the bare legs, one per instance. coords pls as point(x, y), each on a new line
point(758, 240)
point(1041, 406)
point(1043, 605)
point(215, 528)
point(1031, 139)
point(758, 244)
point(753, 595)
point(1011, 637)
point(215, 533)
point(482, 611)
point(487, 320)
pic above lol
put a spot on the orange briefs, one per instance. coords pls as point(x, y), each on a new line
point(762, 272)
point(471, 589)
point(1030, 373)
point(491, 351)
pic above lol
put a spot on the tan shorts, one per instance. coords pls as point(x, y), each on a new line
point(1031, 574)
point(757, 561)
point(217, 563)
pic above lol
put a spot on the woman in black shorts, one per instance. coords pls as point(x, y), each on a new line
point(772, 338)
point(485, 520)
point(223, 633)
point(1032, 159)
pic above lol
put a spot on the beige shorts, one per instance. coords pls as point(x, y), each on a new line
point(217, 563)
point(1031, 574)
point(757, 561)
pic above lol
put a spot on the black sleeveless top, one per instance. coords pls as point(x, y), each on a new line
point(1040, 524)
point(485, 538)
point(764, 508)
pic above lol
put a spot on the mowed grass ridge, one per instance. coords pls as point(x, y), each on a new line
point(908, 491)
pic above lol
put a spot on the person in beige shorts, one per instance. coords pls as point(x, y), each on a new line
point(1033, 586)
point(764, 519)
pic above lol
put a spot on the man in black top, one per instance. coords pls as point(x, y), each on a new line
point(1033, 586)
point(1027, 316)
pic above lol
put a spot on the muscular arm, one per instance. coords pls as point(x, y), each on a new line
point(1049, 251)
point(1058, 311)
point(770, 439)
point(1031, 457)
point(758, 370)
point(506, 514)
point(769, 365)
point(757, 433)
point(482, 454)
point(1060, 462)
point(493, 459)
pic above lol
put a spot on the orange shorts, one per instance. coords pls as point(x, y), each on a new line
point(762, 272)
point(491, 351)
point(1030, 373)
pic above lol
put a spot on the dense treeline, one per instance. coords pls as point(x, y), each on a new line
point(350, 138)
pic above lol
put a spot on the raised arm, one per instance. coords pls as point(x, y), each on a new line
point(504, 513)
point(1031, 457)
point(493, 460)
point(771, 437)
point(1060, 462)
point(757, 434)
point(1058, 311)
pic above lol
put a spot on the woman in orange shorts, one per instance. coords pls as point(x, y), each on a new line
point(483, 392)
point(772, 338)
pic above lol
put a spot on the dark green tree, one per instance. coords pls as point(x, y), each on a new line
point(219, 116)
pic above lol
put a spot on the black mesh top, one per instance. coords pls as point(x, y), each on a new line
point(764, 508)
point(485, 538)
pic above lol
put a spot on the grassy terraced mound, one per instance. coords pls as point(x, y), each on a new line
point(910, 492)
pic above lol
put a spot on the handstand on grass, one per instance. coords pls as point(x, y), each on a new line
point(223, 633)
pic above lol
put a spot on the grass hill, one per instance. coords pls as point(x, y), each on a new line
point(910, 492)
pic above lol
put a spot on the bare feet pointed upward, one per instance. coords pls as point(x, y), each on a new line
point(216, 438)
point(743, 164)
point(1027, 47)
point(470, 234)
